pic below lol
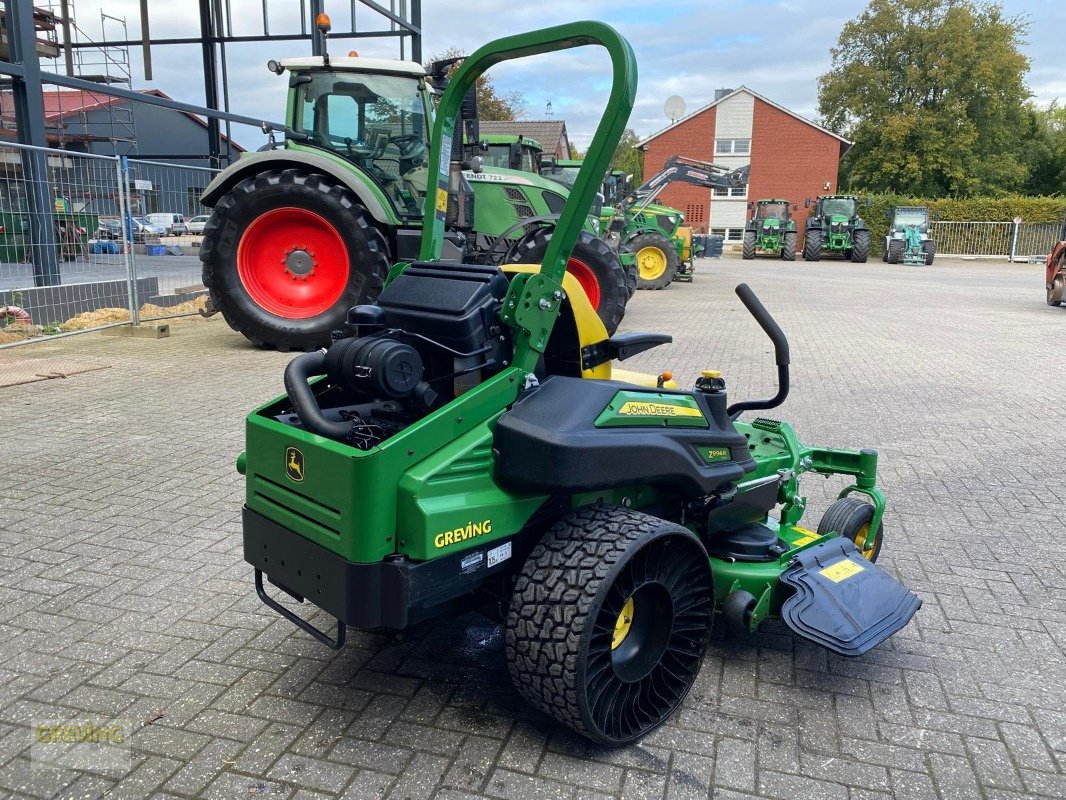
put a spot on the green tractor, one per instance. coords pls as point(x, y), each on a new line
point(908, 240)
point(771, 230)
point(512, 152)
point(834, 226)
point(301, 232)
point(471, 443)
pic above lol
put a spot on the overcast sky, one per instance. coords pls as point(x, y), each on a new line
point(685, 47)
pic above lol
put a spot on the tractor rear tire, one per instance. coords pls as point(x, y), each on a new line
point(286, 254)
point(657, 260)
point(851, 517)
point(748, 248)
point(812, 246)
point(895, 251)
point(929, 246)
point(596, 267)
point(609, 621)
point(788, 247)
point(860, 247)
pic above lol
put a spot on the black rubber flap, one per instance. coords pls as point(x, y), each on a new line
point(844, 602)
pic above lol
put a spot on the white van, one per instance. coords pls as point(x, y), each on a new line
point(173, 223)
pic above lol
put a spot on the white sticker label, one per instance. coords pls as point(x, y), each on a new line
point(445, 155)
point(499, 554)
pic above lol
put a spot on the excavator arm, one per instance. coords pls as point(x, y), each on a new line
point(679, 169)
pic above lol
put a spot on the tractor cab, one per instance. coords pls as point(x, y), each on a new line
point(374, 113)
point(910, 217)
point(512, 152)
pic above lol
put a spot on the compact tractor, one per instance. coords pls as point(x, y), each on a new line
point(656, 233)
point(471, 441)
point(304, 230)
point(834, 226)
point(1056, 271)
point(908, 240)
point(771, 230)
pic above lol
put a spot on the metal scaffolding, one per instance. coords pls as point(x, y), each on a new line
point(28, 33)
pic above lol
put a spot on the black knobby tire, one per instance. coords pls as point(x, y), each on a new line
point(563, 627)
point(788, 248)
point(247, 201)
point(632, 279)
point(895, 250)
point(850, 517)
point(812, 246)
point(747, 250)
point(669, 252)
point(860, 247)
point(601, 261)
point(929, 247)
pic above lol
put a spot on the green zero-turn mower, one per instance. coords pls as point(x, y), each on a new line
point(770, 230)
point(835, 226)
point(908, 240)
point(471, 441)
point(302, 231)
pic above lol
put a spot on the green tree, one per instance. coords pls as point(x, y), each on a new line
point(492, 104)
point(1042, 148)
point(628, 157)
point(932, 93)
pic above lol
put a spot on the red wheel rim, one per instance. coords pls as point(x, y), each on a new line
point(587, 278)
point(293, 263)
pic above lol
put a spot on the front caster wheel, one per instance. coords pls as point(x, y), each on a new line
point(851, 518)
point(609, 621)
point(737, 610)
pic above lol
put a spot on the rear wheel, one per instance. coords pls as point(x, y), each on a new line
point(1056, 293)
point(286, 254)
point(812, 246)
point(895, 251)
point(860, 247)
point(595, 266)
point(609, 621)
point(788, 248)
point(748, 248)
point(929, 247)
point(851, 518)
point(657, 260)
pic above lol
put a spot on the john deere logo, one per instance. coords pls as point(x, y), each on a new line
point(633, 408)
point(294, 464)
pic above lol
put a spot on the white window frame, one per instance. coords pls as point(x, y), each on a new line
point(732, 191)
point(728, 147)
point(734, 235)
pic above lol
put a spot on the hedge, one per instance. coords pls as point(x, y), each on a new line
point(973, 209)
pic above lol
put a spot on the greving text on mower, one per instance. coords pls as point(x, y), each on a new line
point(471, 440)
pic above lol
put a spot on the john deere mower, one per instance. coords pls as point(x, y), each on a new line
point(472, 442)
point(304, 230)
point(771, 230)
point(908, 240)
point(834, 226)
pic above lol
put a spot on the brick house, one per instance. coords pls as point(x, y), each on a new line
point(549, 133)
point(791, 158)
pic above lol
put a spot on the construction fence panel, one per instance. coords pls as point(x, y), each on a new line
point(1036, 240)
point(88, 241)
point(982, 239)
point(168, 196)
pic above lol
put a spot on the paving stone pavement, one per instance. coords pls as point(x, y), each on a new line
point(123, 594)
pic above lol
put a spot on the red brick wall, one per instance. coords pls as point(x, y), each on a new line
point(790, 159)
point(693, 138)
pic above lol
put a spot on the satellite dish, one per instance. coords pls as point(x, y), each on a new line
point(674, 108)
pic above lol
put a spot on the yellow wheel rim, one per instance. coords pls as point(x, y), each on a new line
point(860, 539)
point(622, 624)
point(651, 263)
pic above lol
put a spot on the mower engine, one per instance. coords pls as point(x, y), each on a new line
point(433, 334)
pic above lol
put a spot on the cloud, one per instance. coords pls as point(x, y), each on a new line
point(687, 47)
